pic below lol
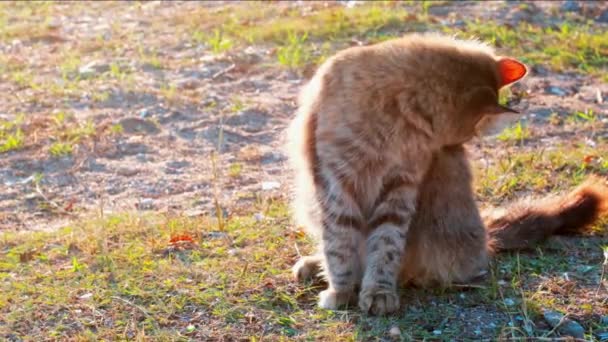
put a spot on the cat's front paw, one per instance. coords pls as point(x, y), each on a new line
point(378, 301)
point(331, 299)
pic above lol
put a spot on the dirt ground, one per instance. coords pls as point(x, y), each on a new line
point(163, 159)
point(139, 107)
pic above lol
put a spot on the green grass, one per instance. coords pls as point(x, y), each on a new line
point(120, 277)
point(127, 276)
point(517, 133)
point(295, 53)
point(538, 170)
point(11, 134)
point(581, 47)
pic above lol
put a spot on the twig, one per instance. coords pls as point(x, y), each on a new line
point(223, 71)
point(144, 311)
point(472, 286)
point(599, 286)
point(49, 201)
point(297, 250)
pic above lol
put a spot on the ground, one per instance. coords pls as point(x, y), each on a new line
point(143, 185)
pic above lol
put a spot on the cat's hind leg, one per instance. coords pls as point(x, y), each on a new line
point(307, 267)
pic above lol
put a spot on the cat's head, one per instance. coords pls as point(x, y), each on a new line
point(476, 109)
point(511, 71)
point(464, 79)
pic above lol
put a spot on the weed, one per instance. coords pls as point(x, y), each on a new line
point(11, 141)
point(237, 105)
point(101, 96)
point(118, 72)
point(218, 42)
point(587, 116)
point(11, 135)
point(294, 53)
point(518, 133)
point(116, 129)
point(150, 58)
point(61, 149)
point(235, 170)
point(169, 92)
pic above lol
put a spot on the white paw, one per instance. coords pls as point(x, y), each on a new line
point(332, 300)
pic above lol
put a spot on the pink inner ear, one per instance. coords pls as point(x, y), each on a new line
point(511, 70)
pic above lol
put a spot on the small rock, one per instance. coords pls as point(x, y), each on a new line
point(187, 83)
point(145, 204)
point(216, 235)
point(144, 113)
point(566, 326)
point(194, 213)
point(127, 172)
point(571, 6)
point(177, 164)
point(556, 91)
point(270, 185)
point(86, 296)
point(258, 217)
point(394, 333)
point(509, 302)
point(138, 126)
point(437, 332)
point(92, 68)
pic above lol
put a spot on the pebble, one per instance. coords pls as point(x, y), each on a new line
point(86, 296)
point(93, 68)
point(395, 333)
point(567, 327)
point(556, 91)
point(270, 185)
point(187, 83)
point(145, 204)
point(138, 126)
point(509, 302)
point(178, 164)
point(216, 235)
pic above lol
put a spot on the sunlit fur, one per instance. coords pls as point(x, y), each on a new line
point(381, 179)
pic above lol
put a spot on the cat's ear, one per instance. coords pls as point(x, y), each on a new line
point(511, 70)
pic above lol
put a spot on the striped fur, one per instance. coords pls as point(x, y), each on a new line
point(369, 124)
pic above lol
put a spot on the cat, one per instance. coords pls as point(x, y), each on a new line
point(374, 124)
point(451, 242)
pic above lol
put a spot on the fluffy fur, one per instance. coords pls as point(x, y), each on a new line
point(381, 177)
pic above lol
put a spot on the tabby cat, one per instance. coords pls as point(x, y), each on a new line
point(382, 179)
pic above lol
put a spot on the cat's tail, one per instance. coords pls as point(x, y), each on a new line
point(526, 223)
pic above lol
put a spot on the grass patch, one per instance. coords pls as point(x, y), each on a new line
point(582, 47)
point(517, 133)
point(538, 171)
point(128, 276)
point(11, 135)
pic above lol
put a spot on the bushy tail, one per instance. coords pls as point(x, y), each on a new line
point(524, 224)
